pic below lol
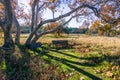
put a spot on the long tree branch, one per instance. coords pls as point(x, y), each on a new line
point(58, 18)
point(49, 31)
point(54, 29)
point(68, 14)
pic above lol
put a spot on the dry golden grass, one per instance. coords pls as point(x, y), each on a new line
point(76, 39)
point(111, 45)
point(105, 41)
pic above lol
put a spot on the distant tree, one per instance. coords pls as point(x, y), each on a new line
point(66, 30)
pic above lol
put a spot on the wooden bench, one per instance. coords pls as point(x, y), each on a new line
point(60, 43)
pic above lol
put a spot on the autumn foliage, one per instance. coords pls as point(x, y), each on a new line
point(54, 25)
point(104, 28)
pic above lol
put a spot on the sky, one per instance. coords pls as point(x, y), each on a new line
point(72, 23)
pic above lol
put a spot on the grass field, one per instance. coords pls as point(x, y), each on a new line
point(92, 57)
point(89, 58)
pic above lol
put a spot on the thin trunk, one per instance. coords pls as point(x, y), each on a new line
point(108, 33)
point(33, 15)
point(58, 33)
point(32, 24)
point(17, 38)
point(36, 16)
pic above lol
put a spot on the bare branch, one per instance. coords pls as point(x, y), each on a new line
point(41, 7)
point(94, 9)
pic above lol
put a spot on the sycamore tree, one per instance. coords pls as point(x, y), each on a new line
point(9, 15)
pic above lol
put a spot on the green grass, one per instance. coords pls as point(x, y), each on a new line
point(85, 61)
point(62, 64)
point(92, 66)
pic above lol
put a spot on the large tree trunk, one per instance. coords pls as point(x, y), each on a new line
point(8, 40)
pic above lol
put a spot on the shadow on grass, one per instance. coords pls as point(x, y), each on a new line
point(16, 65)
point(108, 58)
point(20, 64)
point(68, 63)
point(94, 60)
point(64, 53)
point(97, 60)
point(89, 62)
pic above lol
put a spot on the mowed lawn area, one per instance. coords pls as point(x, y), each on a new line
point(86, 58)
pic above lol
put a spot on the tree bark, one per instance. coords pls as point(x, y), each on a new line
point(16, 24)
point(8, 40)
point(33, 15)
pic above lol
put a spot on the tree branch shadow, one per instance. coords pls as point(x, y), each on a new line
point(18, 68)
point(87, 63)
point(96, 60)
point(68, 63)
